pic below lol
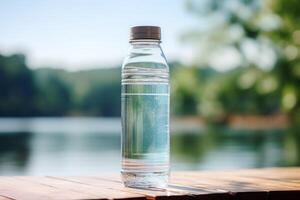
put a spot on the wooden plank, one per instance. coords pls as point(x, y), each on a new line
point(118, 186)
point(286, 174)
point(16, 188)
point(246, 183)
point(269, 180)
point(5, 198)
point(262, 184)
point(84, 187)
point(170, 193)
point(244, 176)
point(239, 184)
point(236, 189)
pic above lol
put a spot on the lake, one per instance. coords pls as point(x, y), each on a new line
point(91, 146)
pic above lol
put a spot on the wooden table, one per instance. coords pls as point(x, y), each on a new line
point(271, 184)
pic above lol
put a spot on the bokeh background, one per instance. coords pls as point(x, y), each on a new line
point(235, 78)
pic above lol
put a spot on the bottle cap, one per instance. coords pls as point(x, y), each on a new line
point(145, 33)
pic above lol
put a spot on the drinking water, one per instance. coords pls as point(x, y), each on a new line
point(145, 116)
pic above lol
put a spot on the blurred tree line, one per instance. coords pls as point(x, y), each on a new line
point(54, 92)
point(264, 36)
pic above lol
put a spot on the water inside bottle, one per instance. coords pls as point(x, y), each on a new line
point(145, 126)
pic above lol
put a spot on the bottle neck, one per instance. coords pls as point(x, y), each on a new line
point(144, 42)
point(145, 46)
point(145, 51)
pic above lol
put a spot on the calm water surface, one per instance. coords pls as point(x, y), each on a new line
point(89, 146)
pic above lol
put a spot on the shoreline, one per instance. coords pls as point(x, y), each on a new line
point(113, 124)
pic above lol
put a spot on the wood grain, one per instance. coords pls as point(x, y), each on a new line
point(258, 184)
point(4, 198)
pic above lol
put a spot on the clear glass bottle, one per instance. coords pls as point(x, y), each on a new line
point(145, 111)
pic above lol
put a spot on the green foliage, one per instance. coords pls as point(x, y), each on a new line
point(103, 101)
point(53, 98)
point(249, 91)
point(54, 92)
point(287, 38)
point(17, 89)
point(185, 87)
point(215, 95)
point(90, 92)
point(251, 88)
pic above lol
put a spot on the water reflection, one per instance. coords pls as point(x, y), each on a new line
point(73, 154)
point(224, 148)
point(292, 147)
point(14, 151)
point(87, 152)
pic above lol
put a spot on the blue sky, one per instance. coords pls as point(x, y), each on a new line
point(79, 33)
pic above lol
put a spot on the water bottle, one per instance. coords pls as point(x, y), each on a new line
point(145, 111)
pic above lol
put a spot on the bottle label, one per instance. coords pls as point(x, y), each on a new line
point(145, 121)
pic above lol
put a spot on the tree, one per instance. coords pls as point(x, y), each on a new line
point(103, 100)
point(54, 96)
point(258, 34)
point(17, 90)
point(287, 69)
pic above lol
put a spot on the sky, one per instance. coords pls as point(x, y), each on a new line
point(77, 34)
